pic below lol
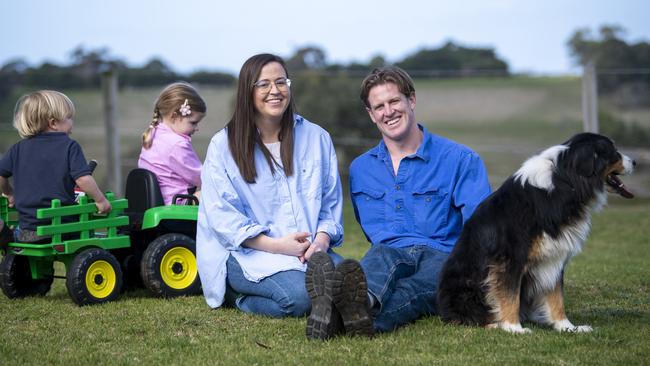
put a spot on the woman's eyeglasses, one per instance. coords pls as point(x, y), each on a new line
point(264, 86)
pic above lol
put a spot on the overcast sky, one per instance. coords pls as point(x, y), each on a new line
point(220, 35)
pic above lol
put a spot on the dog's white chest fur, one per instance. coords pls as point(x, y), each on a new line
point(554, 253)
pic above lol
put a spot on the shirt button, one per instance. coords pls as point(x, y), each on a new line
point(399, 206)
point(428, 199)
point(397, 187)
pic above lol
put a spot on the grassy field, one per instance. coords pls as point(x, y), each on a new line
point(607, 286)
point(505, 120)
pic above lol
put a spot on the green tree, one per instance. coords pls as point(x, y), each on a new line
point(11, 75)
point(154, 72)
point(211, 78)
point(613, 57)
point(87, 65)
point(453, 60)
point(307, 58)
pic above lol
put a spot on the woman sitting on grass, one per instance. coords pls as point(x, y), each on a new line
point(271, 198)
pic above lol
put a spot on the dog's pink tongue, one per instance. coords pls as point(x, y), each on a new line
point(618, 185)
point(622, 190)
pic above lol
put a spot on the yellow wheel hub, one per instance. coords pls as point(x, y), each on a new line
point(100, 279)
point(178, 268)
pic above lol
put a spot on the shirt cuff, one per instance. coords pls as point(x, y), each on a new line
point(250, 232)
point(333, 232)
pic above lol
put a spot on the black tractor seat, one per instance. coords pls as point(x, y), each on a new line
point(143, 193)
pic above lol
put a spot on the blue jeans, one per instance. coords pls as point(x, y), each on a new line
point(279, 295)
point(404, 281)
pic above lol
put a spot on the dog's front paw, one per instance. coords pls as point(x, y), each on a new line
point(582, 329)
point(566, 326)
point(514, 328)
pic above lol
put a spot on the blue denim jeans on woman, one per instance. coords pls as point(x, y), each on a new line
point(280, 295)
point(404, 281)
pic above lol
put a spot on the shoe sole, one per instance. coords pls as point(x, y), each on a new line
point(318, 281)
point(350, 295)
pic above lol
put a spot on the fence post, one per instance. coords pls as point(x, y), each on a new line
point(114, 171)
point(589, 98)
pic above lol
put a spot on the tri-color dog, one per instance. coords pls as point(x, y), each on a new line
point(508, 264)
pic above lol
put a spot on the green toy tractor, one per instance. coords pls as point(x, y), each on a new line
point(140, 242)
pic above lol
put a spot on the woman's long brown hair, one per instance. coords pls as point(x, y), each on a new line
point(242, 132)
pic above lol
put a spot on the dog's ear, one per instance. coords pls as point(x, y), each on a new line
point(584, 159)
point(590, 154)
point(590, 160)
point(586, 164)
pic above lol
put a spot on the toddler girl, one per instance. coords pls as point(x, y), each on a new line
point(167, 144)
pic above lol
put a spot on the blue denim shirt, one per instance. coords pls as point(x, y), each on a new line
point(433, 194)
point(232, 210)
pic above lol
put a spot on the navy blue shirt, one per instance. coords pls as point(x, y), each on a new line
point(44, 167)
point(433, 194)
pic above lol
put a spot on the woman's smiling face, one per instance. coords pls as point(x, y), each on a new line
point(271, 104)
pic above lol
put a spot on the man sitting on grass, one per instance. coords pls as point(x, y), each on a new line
point(411, 193)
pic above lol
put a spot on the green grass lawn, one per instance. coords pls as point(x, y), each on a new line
point(607, 286)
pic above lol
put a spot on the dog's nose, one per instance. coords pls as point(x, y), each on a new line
point(633, 162)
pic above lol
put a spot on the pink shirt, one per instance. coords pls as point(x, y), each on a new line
point(173, 160)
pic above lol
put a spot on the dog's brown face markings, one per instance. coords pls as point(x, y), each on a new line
point(613, 183)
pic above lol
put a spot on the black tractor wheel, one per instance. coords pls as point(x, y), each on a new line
point(131, 272)
point(168, 267)
point(94, 277)
point(16, 278)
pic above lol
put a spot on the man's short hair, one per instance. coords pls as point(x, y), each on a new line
point(383, 75)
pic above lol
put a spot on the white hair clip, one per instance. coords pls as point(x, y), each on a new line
point(185, 109)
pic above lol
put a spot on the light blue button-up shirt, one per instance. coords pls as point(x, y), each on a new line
point(427, 202)
point(232, 210)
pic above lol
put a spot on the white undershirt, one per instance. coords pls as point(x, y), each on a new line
point(274, 149)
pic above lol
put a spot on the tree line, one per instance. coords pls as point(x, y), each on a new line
point(85, 67)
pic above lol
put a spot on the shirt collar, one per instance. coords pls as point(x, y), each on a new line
point(50, 133)
point(297, 119)
point(166, 128)
point(423, 152)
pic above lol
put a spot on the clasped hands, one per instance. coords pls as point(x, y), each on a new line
point(298, 244)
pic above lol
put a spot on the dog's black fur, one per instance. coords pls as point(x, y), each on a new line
point(509, 261)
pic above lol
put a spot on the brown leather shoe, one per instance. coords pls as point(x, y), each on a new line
point(324, 321)
point(350, 294)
